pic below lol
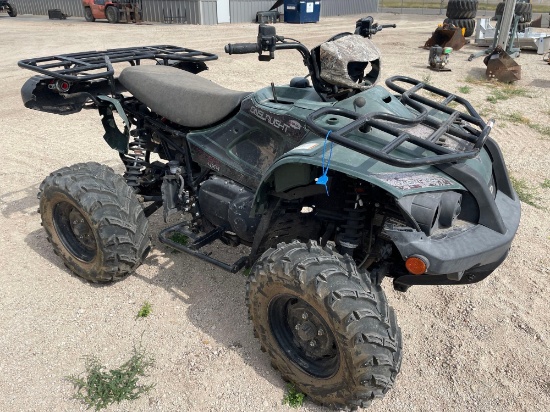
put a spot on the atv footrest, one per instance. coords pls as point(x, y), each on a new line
point(181, 238)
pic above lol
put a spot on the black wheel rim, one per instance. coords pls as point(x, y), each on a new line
point(303, 336)
point(74, 231)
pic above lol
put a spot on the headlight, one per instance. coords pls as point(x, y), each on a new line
point(433, 210)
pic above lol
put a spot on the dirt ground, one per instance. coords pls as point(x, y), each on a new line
point(483, 347)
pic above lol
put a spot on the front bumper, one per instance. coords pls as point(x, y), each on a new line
point(467, 257)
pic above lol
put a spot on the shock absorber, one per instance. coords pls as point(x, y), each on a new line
point(135, 162)
point(350, 237)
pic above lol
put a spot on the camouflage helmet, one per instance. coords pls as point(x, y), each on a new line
point(344, 60)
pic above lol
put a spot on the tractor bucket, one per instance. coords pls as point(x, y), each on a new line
point(446, 36)
point(502, 67)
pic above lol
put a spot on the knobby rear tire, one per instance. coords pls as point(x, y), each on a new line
point(94, 222)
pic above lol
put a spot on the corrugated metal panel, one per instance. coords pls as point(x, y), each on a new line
point(345, 7)
point(209, 12)
point(244, 11)
point(72, 7)
point(178, 10)
point(153, 10)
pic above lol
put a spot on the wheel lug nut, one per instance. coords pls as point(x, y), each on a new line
point(320, 332)
point(304, 315)
point(297, 327)
point(312, 343)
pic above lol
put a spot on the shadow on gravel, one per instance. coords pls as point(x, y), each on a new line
point(38, 242)
point(544, 83)
point(215, 303)
point(477, 73)
point(214, 299)
point(22, 201)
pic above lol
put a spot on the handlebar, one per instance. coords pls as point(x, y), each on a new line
point(268, 40)
point(366, 27)
point(242, 48)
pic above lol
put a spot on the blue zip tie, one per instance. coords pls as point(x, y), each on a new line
point(323, 179)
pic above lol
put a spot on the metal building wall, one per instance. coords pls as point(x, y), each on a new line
point(345, 7)
point(199, 11)
point(155, 10)
point(72, 7)
point(244, 11)
point(209, 12)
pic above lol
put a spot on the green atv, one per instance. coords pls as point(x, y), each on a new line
point(333, 183)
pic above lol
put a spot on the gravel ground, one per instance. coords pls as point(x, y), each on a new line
point(483, 347)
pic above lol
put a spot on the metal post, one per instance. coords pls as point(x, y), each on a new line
point(506, 23)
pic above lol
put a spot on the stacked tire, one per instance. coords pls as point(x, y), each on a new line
point(524, 10)
point(462, 13)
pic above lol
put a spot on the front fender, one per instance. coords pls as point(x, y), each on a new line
point(294, 175)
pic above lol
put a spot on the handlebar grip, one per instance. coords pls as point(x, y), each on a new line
point(242, 48)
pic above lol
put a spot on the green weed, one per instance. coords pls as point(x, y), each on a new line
point(98, 387)
point(145, 310)
point(180, 238)
point(543, 130)
point(246, 272)
point(485, 112)
point(525, 192)
point(518, 118)
point(427, 79)
point(465, 89)
point(478, 81)
point(506, 92)
point(293, 397)
point(545, 184)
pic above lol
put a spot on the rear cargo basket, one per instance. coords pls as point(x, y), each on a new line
point(91, 65)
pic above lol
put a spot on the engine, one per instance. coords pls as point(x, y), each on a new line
point(227, 204)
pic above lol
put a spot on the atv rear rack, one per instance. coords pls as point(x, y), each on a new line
point(467, 128)
point(91, 65)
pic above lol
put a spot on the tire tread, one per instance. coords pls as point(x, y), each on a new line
point(363, 323)
point(112, 208)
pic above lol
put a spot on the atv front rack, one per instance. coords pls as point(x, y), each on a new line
point(467, 129)
point(91, 65)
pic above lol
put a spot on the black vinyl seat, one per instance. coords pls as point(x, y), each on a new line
point(182, 97)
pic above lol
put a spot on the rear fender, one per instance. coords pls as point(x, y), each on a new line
point(113, 136)
point(41, 93)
